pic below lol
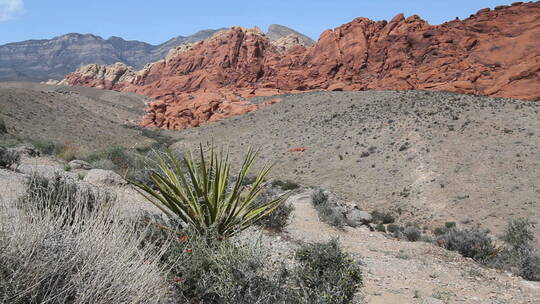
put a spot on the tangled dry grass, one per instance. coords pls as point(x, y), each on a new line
point(76, 256)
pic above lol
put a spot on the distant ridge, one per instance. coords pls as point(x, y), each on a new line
point(40, 60)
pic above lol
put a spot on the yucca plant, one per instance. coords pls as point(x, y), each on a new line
point(203, 195)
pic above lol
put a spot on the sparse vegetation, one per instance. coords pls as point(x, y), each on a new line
point(325, 274)
point(327, 212)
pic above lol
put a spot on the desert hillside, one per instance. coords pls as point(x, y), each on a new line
point(494, 52)
point(84, 118)
point(435, 156)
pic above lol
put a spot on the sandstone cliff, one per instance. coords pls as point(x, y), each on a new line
point(494, 52)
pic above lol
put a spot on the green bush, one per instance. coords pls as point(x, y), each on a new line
point(519, 256)
point(392, 228)
point(518, 233)
point(472, 243)
point(380, 227)
point(412, 233)
point(47, 147)
point(450, 225)
point(382, 217)
point(285, 185)
point(209, 269)
point(277, 219)
point(325, 274)
point(319, 197)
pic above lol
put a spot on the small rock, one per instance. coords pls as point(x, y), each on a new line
point(356, 217)
point(79, 164)
point(104, 177)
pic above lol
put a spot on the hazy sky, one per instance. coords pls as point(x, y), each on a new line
point(156, 21)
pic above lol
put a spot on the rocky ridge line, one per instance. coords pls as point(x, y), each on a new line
point(494, 52)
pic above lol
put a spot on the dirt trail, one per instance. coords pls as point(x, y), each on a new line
point(412, 272)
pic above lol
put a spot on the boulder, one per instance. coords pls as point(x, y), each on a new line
point(79, 164)
point(356, 217)
point(100, 177)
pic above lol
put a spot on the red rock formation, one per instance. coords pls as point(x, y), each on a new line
point(495, 52)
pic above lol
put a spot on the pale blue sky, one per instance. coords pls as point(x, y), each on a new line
point(157, 21)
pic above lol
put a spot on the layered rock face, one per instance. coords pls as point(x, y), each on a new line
point(494, 52)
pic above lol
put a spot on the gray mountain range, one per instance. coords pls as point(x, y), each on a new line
point(40, 60)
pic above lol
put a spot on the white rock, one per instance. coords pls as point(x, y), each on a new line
point(79, 164)
point(104, 177)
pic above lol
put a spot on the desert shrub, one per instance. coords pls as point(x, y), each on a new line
point(325, 274)
point(528, 263)
point(411, 233)
point(319, 197)
point(472, 243)
point(523, 261)
point(277, 219)
point(383, 217)
point(450, 225)
point(62, 196)
point(328, 213)
point(285, 185)
point(97, 259)
point(9, 157)
point(380, 227)
point(440, 230)
point(204, 196)
point(518, 233)
point(48, 147)
point(209, 269)
point(392, 228)
point(519, 256)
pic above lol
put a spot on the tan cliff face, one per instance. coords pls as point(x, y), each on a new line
point(494, 52)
